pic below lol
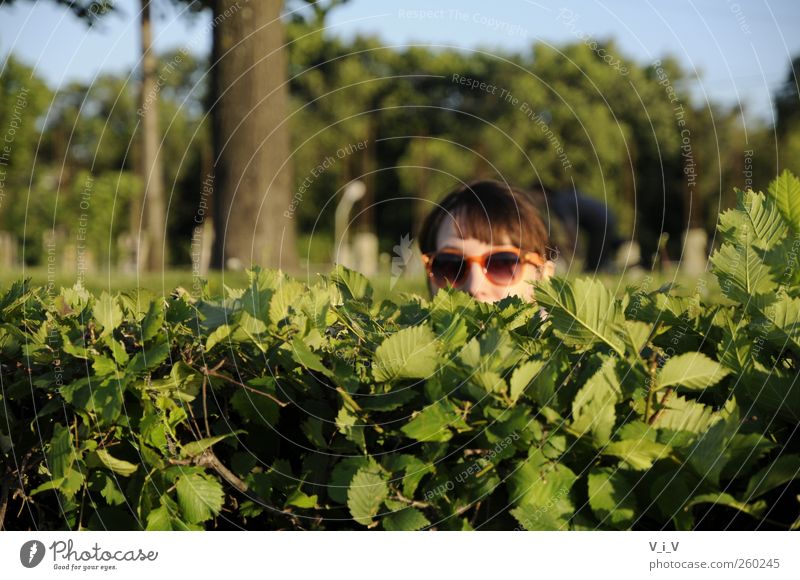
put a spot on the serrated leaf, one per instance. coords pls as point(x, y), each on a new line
point(111, 491)
point(640, 454)
point(148, 359)
point(782, 320)
point(784, 469)
point(284, 299)
point(785, 190)
point(352, 284)
point(712, 450)
point(743, 275)
point(756, 218)
point(691, 370)
point(612, 498)
point(197, 447)
point(308, 358)
point(352, 427)
point(681, 414)
point(153, 321)
point(540, 490)
point(754, 509)
point(637, 334)
point(522, 376)
point(407, 354)
point(300, 499)
point(61, 455)
point(408, 519)
point(431, 424)
point(119, 466)
point(343, 473)
point(200, 497)
point(582, 312)
point(159, 520)
point(107, 313)
point(217, 336)
point(365, 495)
point(593, 406)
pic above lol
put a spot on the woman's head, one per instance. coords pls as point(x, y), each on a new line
point(499, 231)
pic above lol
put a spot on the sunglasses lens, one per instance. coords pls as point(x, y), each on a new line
point(448, 268)
point(503, 267)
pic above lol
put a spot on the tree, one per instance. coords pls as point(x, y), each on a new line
point(150, 250)
point(252, 170)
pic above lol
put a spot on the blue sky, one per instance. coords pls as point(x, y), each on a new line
point(739, 48)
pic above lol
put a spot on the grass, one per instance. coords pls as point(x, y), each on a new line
point(384, 287)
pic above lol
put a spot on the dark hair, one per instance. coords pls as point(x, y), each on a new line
point(486, 210)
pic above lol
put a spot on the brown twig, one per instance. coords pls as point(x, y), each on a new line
point(4, 489)
point(657, 414)
point(209, 459)
point(213, 373)
point(412, 502)
point(205, 406)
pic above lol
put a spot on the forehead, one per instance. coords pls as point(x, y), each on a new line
point(452, 234)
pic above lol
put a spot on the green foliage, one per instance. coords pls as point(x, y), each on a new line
point(285, 405)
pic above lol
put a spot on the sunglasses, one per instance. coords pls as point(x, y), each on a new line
point(502, 266)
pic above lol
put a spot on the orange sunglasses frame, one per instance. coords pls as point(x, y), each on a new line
point(525, 257)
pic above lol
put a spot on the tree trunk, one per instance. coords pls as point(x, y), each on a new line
point(150, 246)
point(253, 211)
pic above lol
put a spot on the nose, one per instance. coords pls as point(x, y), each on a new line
point(475, 282)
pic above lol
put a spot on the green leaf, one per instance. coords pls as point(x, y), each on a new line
point(612, 498)
point(407, 519)
point(117, 351)
point(147, 360)
point(640, 454)
point(582, 312)
point(754, 509)
point(307, 358)
point(407, 354)
point(712, 450)
point(153, 321)
point(284, 299)
point(107, 313)
point(104, 366)
point(782, 321)
point(523, 375)
point(343, 473)
point(217, 336)
point(783, 470)
point(431, 424)
point(62, 452)
point(159, 520)
point(197, 447)
point(756, 218)
point(593, 406)
point(199, 496)
point(743, 275)
point(119, 466)
point(352, 427)
point(540, 490)
point(111, 491)
point(785, 190)
point(299, 499)
point(681, 414)
point(367, 492)
point(352, 284)
point(637, 333)
point(691, 370)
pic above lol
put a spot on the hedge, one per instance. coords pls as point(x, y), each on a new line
point(287, 405)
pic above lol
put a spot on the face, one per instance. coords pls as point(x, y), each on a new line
point(475, 281)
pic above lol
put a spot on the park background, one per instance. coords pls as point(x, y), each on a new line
point(122, 166)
